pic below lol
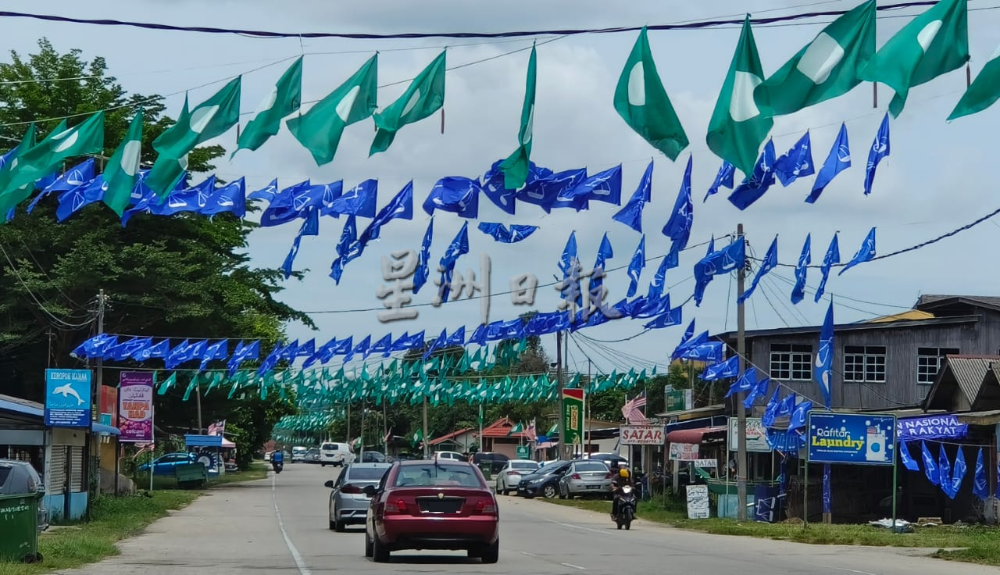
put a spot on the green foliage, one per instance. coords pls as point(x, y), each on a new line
point(183, 275)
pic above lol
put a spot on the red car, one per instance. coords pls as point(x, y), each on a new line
point(441, 505)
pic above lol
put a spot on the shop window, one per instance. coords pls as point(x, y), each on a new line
point(791, 362)
point(929, 362)
point(864, 364)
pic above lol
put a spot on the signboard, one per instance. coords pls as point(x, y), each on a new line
point(572, 417)
point(135, 413)
point(641, 435)
point(67, 397)
point(857, 438)
point(683, 452)
point(697, 502)
point(931, 427)
point(523, 452)
point(677, 399)
point(756, 435)
point(705, 463)
point(109, 404)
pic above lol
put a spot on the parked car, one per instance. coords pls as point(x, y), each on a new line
point(585, 478)
point(299, 453)
point(545, 481)
point(164, 464)
point(493, 462)
point(510, 475)
point(20, 478)
point(372, 457)
point(335, 454)
point(450, 455)
point(608, 458)
point(432, 505)
point(348, 501)
point(312, 456)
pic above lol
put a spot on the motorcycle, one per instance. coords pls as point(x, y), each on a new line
point(626, 507)
point(277, 466)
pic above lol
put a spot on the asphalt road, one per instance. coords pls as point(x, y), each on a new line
point(279, 525)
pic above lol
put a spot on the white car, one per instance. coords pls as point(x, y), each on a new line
point(510, 475)
point(299, 453)
point(449, 455)
point(335, 454)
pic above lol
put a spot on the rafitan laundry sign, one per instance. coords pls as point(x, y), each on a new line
point(931, 427)
point(857, 438)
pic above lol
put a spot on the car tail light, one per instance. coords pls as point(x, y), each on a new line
point(512, 473)
point(575, 476)
point(397, 506)
point(351, 489)
point(608, 476)
point(486, 507)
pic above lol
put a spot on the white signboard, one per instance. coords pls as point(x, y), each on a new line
point(704, 462)
point(641, 435)
point(756, 435)
point(697, 502)
point(683, 452)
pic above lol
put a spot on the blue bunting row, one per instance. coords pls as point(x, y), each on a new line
point(947, 476)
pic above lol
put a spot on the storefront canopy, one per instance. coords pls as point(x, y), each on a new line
point(208, 441)
point(695, 436)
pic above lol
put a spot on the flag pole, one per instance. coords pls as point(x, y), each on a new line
point(741, 412)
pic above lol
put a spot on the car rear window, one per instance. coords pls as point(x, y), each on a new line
point(591, 466)
point(330, 446)
point(436, 476)
point(524, 465)
point(366, 473)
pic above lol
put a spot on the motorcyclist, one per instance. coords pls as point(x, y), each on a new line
point(277, 458)
point(622, 479)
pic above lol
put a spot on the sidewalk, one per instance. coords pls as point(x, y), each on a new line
point(229, 529)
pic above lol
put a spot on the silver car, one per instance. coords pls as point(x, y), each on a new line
point(348, 502)
point(585, 477)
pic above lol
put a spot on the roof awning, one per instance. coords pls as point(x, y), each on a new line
point(991, 417)
point(695, 436)
point(104, 429)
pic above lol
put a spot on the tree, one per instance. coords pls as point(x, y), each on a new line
point(184, 275)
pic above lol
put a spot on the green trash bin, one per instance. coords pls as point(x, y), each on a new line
point(19, 524)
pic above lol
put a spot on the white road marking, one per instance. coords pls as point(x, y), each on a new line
point(528, 554)
point(852, 571)
point(598, 531)
point(303, 570)
point(573, 566)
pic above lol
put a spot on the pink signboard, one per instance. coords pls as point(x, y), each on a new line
point(135, 407)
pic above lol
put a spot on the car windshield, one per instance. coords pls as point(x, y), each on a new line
point(436, 476)
point(366, 473)
point(524, 465)
point(591, 466)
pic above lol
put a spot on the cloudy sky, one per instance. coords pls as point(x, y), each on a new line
point(939, 176)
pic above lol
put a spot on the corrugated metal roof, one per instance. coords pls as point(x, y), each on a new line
point(911, 315)
point(969, 372)
point(23, 406)
point(932, 300)
point(847, 327)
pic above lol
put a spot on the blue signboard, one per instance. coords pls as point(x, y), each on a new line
point(858, 438)
point(67, 397)
point(931, 427)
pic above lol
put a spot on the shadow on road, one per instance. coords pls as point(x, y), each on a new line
point(432, 560)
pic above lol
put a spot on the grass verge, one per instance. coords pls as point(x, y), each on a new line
point(114, 519)
point(974, 544)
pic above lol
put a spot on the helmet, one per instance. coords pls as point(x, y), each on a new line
point(623, 473)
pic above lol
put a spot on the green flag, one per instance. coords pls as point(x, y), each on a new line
point(518, 428)
point(120, 171)
point(984, 91)
point(166, 174)
point(932, 44)
point(827, 67)
point(515, 167)
point(417, 437)
point(12, 196)
point(424, 97)
point(644, 105)
point(46, 157)
point(738, 127)
point(284, 98)
point(27, 142)
point(320, 129)
point(207, 120)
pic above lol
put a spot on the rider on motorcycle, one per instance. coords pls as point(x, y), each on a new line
point(277, 458)
point(622, 479)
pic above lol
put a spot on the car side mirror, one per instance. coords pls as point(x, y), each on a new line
point(369, 490)
point(328, 484)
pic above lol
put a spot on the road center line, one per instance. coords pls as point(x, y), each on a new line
point(303, 570)
point(573, 566)
point(599, 532)
point(852, 571)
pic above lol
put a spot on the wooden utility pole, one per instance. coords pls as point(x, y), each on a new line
point(563, 450)
point(741, 412)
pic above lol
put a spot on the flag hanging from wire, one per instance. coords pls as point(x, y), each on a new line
point(631, 410)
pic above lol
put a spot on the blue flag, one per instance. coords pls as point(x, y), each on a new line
point(728, 368)
point(348, 248)
point(310, 227)
point(746, 382)
point(383, 346)
point(724, 179)
point(758, 391)
point(758, 182)
point(243, 353)
point(631, 214)
point(192, 199)
point(769, 262)
point(660, 278)
point(603, 186)
point(880, 149)
point(457, 248)
point(832, 257)
point(327, 194)
point(908, 461)
point(980, 483)
point(358, 201)
point(799, 414)
point(805, 258)
point(824, 359)
point(864, 254)
point(494, 189)
point(958, 474)
point(930, 468)
point(267, 193)
point(636, 265)
point(456, 195)
point(73, 178)
point(230, 198)
point(678, 227)
point(837, 161)
point(666, 319)
point(795, 164)
point(286, 204)
point(729, 258)
point(944, 469)
point(456, 338)
point(771, 409)
point(787, 405)
point(707, 351)
point(505, 235)
point(568, 255)
point(424, 258)
point(555, 190)
point(399, 207)
point(216, 351)
point(604, 253)
point(76, 199)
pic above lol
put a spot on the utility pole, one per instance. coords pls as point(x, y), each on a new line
point(348, 421)
point(589, 415)
point(559, 392)
point(94, 411)
point(425, 441)
point(197, 400)
point(741, 412)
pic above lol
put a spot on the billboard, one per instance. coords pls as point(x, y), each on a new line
point(572, 417)
point(756, 435)
point(683, 452)
point(677, 399)
point(642, 435)
point(109, 405)
point(67, 398)
point(135, 407)
point(858, 438)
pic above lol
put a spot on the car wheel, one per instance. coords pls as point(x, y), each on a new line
point(549, 491)
point(491, 554)
point(339, 526)
point(333, 525)
point(368, 544)
point(322, 465)
point(379, 553)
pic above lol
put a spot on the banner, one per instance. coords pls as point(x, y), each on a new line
point(109, 405)
point(642, 435)
point(683, 452)
point(677, 399)
point(931, 427)
point(756, 435)
point(135, 407)
point(572, 417)
point(858, 438)
point(67, 398)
